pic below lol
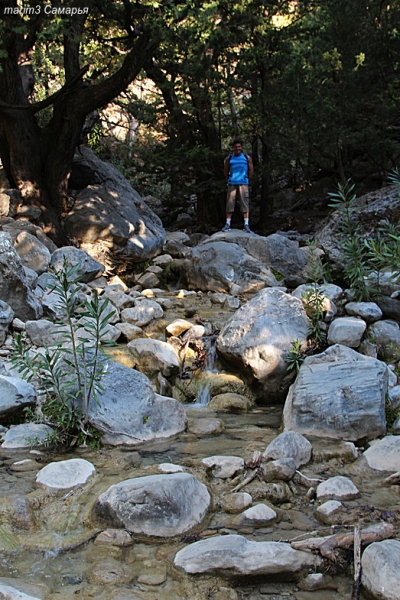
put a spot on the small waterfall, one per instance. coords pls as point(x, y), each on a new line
point(204, 390)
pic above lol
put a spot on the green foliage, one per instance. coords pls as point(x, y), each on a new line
point(391, 414)
point(295, 358)
point(357, 265)
point(67, 375)
point(313, 302)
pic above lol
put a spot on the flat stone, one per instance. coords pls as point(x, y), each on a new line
point(339, 488)
point(65, 474)
point(384, 454)
point(224, 467)
point(114, 537)
point(368, 311)
point(170, 468)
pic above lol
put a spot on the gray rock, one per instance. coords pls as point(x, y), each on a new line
point(236, 502)
point(217, 266)
point(44, 333)
point(32, 252)
point(380, 575)
point(384, 454)
point(6, 317)
point(88, 269)
point(282, 469)
point(338, 394)
point(129, 332)
point(153, 356)
point(317, 581)
point(328, 290)
point(142, 313)
point(328, 512)
point(119, 299)
point(290, 444)
point(390, 308)
point(129, 412)
point(65, 474)
point(368, 311)
point(14, 287)
point(233, 555)
point(26, 435)
point(347, 331)
point(259, 335)
point(178, 326)
point(15, 393)
point(386, 334)
point(148, 280)
point(157, 505)
point(257, 515)
point(15, 589)
point(230, 402)
point(224, 467)
point(337, 488)
point(206, 427)
point(110, 212)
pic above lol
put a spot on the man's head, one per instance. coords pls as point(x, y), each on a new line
point(237, 147)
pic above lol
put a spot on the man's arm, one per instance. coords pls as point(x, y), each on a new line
point(251, 168)
point(226, 168)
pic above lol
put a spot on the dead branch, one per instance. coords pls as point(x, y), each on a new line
point(357, 563)
point(392, 479)
point(327, 545)
point(246, 481)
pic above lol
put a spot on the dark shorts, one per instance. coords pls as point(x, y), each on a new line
point(243, 192)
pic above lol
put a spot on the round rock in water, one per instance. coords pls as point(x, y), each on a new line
point(384, 455)
point(339, 488)
point(157, 505)
point(380, 570)
point(290, 444)
point(26, 435)
point(65, 474)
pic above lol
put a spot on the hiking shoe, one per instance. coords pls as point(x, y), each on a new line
point(226, 228)
point(247, 229)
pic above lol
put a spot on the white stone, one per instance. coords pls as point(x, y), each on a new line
point(170, 468)
point(224, 467)
point(339, 488)
point(384, 454)
point(142, 313)
point(380, 570)
point(178, 326)
point(260, 514)
point(152, 356)
point(369, 311)
point(65, 474)
point(328, 509)
point(290, 444)
point(347, 331)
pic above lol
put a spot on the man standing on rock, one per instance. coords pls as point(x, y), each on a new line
point(238, 168)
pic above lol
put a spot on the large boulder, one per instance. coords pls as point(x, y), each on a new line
point(380, 570)
point(15, 393)
point(156, 506)
point(338, 394)
point(233, 555)
point(260, 334)
point(32, 252)
point(109, 219)
point(14, 286)
point(219, 266)
point(129, 412)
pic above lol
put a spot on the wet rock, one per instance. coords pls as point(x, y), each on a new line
point(114, 537)
point(65, 474)
point(109, 572)
point(233, 555)
point(156, 576)
point(32, 252)
point(338, 488)
point(347, 331)
point(380, 570)
point(15, 589)
point(21, 514)
point(384, 454)
point(142, 313)
point(14, 286)
point(87, 267)
point(205, 427)
point(129, 412)
point(22, 466)
point(236, 502)
point(338, 394)
point(259, 335)
point(368, 311)
point(152, 356)
point(157, 505)
point(224, 467)
point(26, 435)
point(281, 469)
point(230, 402)
point(257, 516)
point(290, 444)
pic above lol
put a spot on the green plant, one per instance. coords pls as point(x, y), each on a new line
point(296, 356)
point(391, 414)
point(68, 373)
point(313, 302)
point(357, 266)
point(384, 249)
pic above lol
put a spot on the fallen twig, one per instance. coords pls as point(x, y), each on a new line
point(357, 563)
point(247, 480)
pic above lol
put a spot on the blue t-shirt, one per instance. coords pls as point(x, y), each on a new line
point(238, 170)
